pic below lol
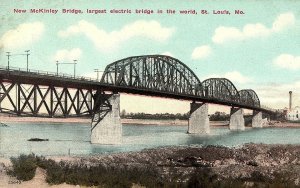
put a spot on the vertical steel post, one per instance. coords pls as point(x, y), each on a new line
point(8, 54)
point(78, 102)
point(35, 100)
point(18, 96)
point(75, 66)
point(90, 101)
point(97, 71)
point(56, 67)
point(27, 54)
point(65, 111)
point(130, 75)
point(51, 101)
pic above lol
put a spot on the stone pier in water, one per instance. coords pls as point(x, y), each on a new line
point(199, 121)
point(109, 129)
point(257, 121)
point(237, 121)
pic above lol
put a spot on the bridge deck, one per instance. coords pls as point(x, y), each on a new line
point(59, 80)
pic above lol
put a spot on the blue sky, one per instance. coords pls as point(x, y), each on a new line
point(259, 49)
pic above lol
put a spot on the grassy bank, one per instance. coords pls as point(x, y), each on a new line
point(173, 167)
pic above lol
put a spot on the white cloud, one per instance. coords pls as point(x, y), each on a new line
point(108, 41)
point(237, 77)
point(23, 35)
point(287, 61)
point(201, 52)
point(68, 55)
point(283, 21)
point(277, 95)
point(233, 76)
point(225, 34)
point(255, 30)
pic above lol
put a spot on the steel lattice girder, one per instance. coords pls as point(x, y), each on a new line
point(155, 72)
point(221, 89)
point(153, 75)
point(249, 97)
point(45, 101)
point(167, 74)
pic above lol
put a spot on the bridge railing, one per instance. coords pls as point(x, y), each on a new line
point(47, 73)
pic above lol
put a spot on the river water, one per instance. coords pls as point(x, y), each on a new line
point(74, 139)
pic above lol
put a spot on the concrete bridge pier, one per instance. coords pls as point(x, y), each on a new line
point(257, 121)
point(109, 129)
point(237, 121)
point(198, 121)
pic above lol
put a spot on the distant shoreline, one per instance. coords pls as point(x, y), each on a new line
point(7, 119)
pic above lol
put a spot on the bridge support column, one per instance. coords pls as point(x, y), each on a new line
point(257, 120)
point(237, 121)
point(198, 121)
point(106, 125)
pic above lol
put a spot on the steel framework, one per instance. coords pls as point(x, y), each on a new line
point(154, 72)
point(221, 89)
point(166, 74)
point(49, 101)
point(249, 97)
point(39, 93)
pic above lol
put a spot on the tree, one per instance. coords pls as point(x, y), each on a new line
point(123, 113)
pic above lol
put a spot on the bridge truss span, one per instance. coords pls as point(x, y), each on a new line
point(249, 97)
point(221, 89)
point(156, 73)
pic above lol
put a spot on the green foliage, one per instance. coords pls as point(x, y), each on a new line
point(99, 175)
point(206, 179)
point(219, 116)
point(81, 174)
point(55, 172)
point(201, 179)
point(277, 116)
point(24, 167)
point(163, 116)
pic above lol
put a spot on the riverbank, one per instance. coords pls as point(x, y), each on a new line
point(87, 121)
point(251, 164)
point(14, 119)
point(280, 124)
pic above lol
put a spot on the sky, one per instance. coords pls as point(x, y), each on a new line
point(258, 49)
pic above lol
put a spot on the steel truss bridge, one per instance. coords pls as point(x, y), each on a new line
point(45, 94)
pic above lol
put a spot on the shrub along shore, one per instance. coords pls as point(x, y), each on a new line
point(252, 165)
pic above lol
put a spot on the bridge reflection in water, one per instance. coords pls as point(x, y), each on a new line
point(38, 93)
